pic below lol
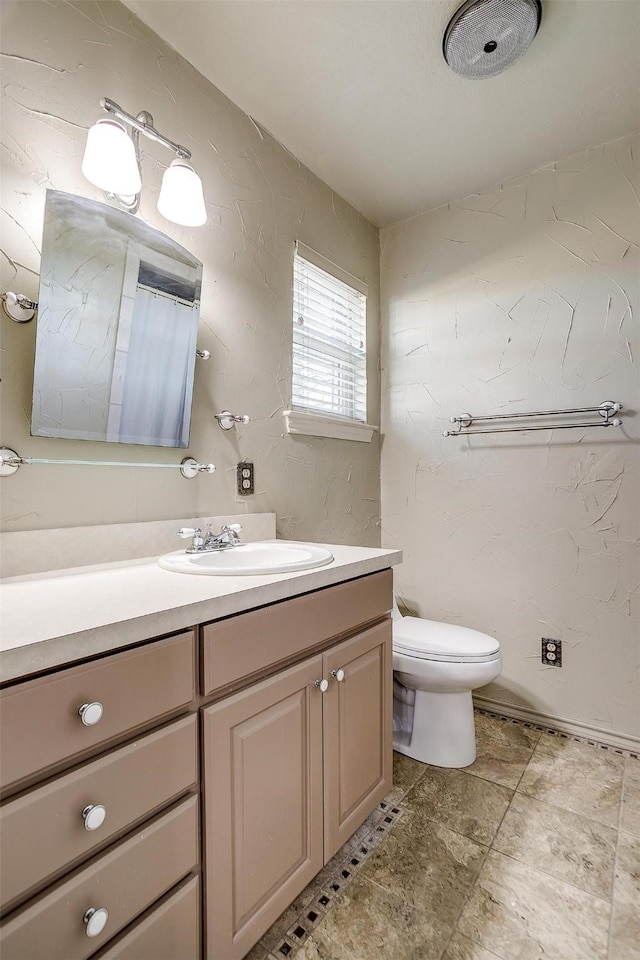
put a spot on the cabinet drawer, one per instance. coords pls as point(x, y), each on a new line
point(251, 642)
point(40, 722)
point(171, 931)
point(44, 830)
point(124, 881)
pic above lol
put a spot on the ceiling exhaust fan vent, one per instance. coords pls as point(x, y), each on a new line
point(484, 37)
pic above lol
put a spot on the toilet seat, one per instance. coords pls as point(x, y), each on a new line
point(432, 640)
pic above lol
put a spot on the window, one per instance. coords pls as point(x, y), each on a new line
point(329, 377)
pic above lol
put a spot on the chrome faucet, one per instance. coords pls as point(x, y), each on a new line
point(228, 537)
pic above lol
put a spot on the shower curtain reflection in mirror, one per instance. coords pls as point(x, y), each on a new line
point(158, 376)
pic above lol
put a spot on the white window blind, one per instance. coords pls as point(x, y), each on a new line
point(329, 342)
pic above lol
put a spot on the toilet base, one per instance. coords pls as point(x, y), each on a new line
point(443, 731)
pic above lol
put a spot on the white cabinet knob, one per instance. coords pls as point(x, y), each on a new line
point(94, 816)
point(322, 685)
point(96, 920)
point(91, 713)
point(338, 674)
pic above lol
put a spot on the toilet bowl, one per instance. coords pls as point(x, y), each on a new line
point(435, 668)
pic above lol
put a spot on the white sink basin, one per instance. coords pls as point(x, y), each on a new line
point(249, 559)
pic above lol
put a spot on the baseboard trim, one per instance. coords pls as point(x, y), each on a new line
point(574, 727)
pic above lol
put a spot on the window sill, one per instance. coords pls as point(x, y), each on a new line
point(319, 425)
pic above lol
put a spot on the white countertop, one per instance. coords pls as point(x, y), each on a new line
point(50, 619)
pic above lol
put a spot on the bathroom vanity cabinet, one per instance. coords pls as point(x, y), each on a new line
point(108, 824)
point(291, 770)
point(168, 801)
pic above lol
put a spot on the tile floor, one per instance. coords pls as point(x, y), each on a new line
point(532, 852)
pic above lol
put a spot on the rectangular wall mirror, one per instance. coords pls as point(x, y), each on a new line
point(117, 327)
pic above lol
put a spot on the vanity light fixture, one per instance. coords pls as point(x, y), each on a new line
point(181, 199)
point(112, 162)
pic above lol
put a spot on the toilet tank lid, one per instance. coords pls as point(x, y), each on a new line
point(441, 639)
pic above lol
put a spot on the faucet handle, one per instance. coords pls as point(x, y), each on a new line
point(186, 533)
point(232, 532)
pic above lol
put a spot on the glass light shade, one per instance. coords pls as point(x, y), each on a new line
point(181, 198)
point(109, 159)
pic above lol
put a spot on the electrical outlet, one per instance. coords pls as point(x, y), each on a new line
point(551, 652)
point(245, 478)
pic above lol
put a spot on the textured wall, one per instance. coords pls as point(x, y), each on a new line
point(522, 298)
point(59, 59)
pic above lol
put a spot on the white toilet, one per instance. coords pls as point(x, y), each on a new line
point(435, 668)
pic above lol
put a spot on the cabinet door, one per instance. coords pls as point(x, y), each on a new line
point(358, 711)
point(263, 805)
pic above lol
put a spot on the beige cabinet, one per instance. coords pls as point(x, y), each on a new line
point(54, 720)
point(107, 817)
point(45, 832)
point(116, 887)
point(358, 728)
point(169, 931)
point(292, 766)
point(263, 803)
point(109, 828)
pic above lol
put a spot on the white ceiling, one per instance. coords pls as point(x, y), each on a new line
point(358, 89)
